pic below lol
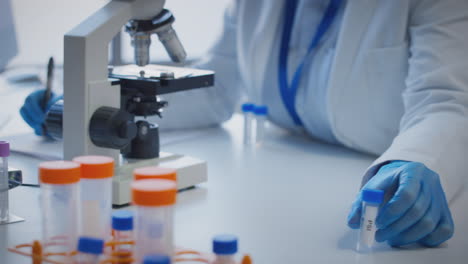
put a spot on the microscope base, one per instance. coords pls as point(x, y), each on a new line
point(190, 172)
point(12, 219)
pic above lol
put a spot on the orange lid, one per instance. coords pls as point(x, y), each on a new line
point(155, 172)
point(95, 167)
point(154, 192)
point(59, 172)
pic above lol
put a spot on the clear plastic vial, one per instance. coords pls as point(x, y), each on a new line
point(261, 113)
point(154, 172)
point(60, 206)
point(372, 199)
point(247, 112)
point(225, 249)
point(156, 259)
point(89, 250)
point(122, 224)
point(154, 200)
point(4, 153)
point(96, 195)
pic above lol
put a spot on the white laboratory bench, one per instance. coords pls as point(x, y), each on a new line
point(287, 200)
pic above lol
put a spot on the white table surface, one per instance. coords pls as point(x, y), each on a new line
point(287, 200)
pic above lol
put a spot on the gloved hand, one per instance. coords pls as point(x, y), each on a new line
point(417, 210)
point(32, 111)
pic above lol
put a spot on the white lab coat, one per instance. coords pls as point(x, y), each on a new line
point(398, 86)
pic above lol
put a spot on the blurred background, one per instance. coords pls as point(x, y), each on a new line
point(40, 26)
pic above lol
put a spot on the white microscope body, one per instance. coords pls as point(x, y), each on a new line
point(87, 88)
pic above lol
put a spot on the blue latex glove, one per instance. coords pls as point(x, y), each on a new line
point(416, 211)
point(32, 111)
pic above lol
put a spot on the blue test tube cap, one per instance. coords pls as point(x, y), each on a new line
point(225, 244)
point(156, 259)
point(122, 220)
point(91, 245)
point(372, 196)
point(261, 110)
point(248, 107)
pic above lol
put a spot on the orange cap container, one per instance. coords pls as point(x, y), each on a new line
point(59, 172)
point(155, 172)
point(95, 167)
point(154, 192)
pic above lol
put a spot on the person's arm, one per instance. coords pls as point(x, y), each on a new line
point(209, 106)
point(433, 131)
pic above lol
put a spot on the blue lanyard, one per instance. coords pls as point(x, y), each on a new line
point(288, 94)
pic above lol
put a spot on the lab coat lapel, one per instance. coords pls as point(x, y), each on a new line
point(256, 46)
point(355, 22)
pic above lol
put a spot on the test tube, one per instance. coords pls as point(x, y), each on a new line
point(155, 172)
point(261, 113)
point(96, 195)
point(4, 153)
point(225, 249)
point(89, 250)
point(154, 217)
point(60, 206)
point(122, 224)
point(247, 110)
point(372, 199)
point(157, 259)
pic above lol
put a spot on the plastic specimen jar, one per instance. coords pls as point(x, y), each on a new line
point(4, 153)
point(60, 205)
point(225, 249)
point(370, 208)
point(122, 225)
point(154, 217)
point(155, 172)
point(247, 110)
point(96, 195)
point(261, 113)
point(89, 250)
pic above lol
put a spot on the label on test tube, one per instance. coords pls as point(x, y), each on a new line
point(371, 202)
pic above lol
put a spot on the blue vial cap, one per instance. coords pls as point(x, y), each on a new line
point(248, 107)
point(90, 245)
point(372, 196)
point(261, 110)
point(225, 244)
point(122, 220)
point(156, 259)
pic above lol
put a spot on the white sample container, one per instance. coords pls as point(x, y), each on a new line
point(60, 206)
point(4, 153)
point(247, 112)
point(261, 113)
point(90, 250)
point(96, 195)
point(372, 199)
point(154, 200)
point(225, 249)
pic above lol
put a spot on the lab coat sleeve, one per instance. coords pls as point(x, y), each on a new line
point(208, 106)
point(434, 127)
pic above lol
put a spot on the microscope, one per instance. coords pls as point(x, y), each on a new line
point(106, 107)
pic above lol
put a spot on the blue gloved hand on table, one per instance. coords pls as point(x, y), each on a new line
point(417, 210)
point(33, 112)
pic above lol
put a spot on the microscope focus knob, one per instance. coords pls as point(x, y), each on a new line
point(112, 128)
